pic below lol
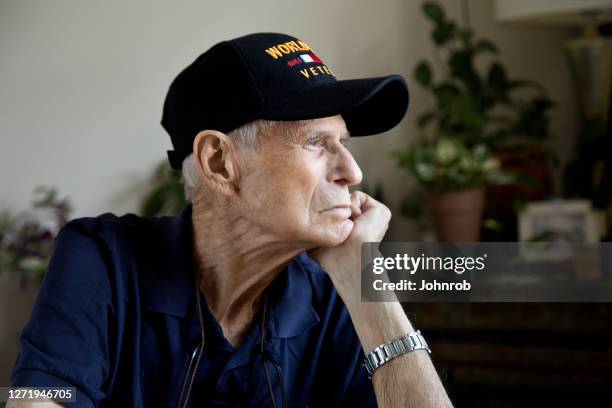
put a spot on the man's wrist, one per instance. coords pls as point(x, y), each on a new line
point(345, 268)
point(375, 322)
point(378, 322)
point(391, 349)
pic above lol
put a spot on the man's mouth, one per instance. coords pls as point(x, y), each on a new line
point(342, 209)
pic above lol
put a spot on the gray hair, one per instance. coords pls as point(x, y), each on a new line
point(246, 136)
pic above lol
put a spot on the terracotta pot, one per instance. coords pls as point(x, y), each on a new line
point(456, 215)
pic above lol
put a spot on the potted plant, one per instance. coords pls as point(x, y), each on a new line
point(25, 242)
point(482, 113)
point(451, 178)
point(25, 250)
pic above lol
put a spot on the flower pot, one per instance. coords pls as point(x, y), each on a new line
point(456, 215)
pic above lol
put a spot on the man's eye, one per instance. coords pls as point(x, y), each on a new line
point(315, 141)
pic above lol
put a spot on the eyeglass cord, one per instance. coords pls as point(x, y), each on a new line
point(264, 355)
point(192, 368)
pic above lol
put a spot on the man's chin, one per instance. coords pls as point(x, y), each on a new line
point(338, 233)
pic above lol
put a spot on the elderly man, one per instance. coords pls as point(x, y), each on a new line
point(250, 296)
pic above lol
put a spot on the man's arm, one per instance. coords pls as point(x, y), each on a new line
point(409, 380)
point(66, 341)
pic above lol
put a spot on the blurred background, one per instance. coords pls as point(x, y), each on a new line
point(507, 138)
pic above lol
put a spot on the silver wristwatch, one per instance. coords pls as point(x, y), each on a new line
point(391, 349)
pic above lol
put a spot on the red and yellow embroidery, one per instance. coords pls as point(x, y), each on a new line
point(280, 50)
point(307, 56)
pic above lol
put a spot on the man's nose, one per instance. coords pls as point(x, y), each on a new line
point(346, 170)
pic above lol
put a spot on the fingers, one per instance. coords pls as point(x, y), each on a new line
point(370, 217)
point(355, 206)
point(358, 199)
point(367, 203)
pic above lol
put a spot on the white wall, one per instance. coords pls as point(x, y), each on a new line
point(82, 82)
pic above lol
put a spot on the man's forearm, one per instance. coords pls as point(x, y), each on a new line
point(409, 380)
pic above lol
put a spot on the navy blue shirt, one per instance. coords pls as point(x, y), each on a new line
point(116, 318)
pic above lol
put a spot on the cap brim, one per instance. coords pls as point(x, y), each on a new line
point(368, 106)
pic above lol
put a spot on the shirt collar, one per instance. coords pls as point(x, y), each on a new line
point(169, 284)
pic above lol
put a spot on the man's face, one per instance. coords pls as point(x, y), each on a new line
point(296, 187)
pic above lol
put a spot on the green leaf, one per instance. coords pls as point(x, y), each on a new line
point(462, 68)
point(433, 11)
point(422, 74)
point(404, 157)
point(425, 118)
point(533, 120)
point(446, 151)
point(497, 76)
point(486, 45)
point(468, 113)
point(480, 152)
point(466, 36)
point(425, 171)
point(443, 33)
point(445, 94)
point(497, 81)
point(421, 152)
point(167, 194)
point(32, 264)
point(500, 177)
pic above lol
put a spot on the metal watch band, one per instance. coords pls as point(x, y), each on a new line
point(391, 349)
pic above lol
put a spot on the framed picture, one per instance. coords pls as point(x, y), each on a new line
point(547, 229)
point(560, 221)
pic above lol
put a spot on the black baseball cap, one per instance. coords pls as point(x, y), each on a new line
point(272, 76)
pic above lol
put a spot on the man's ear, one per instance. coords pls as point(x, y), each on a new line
point(217, 159)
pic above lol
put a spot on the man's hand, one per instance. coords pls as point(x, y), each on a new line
point(342, 263)
point(409, 380)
